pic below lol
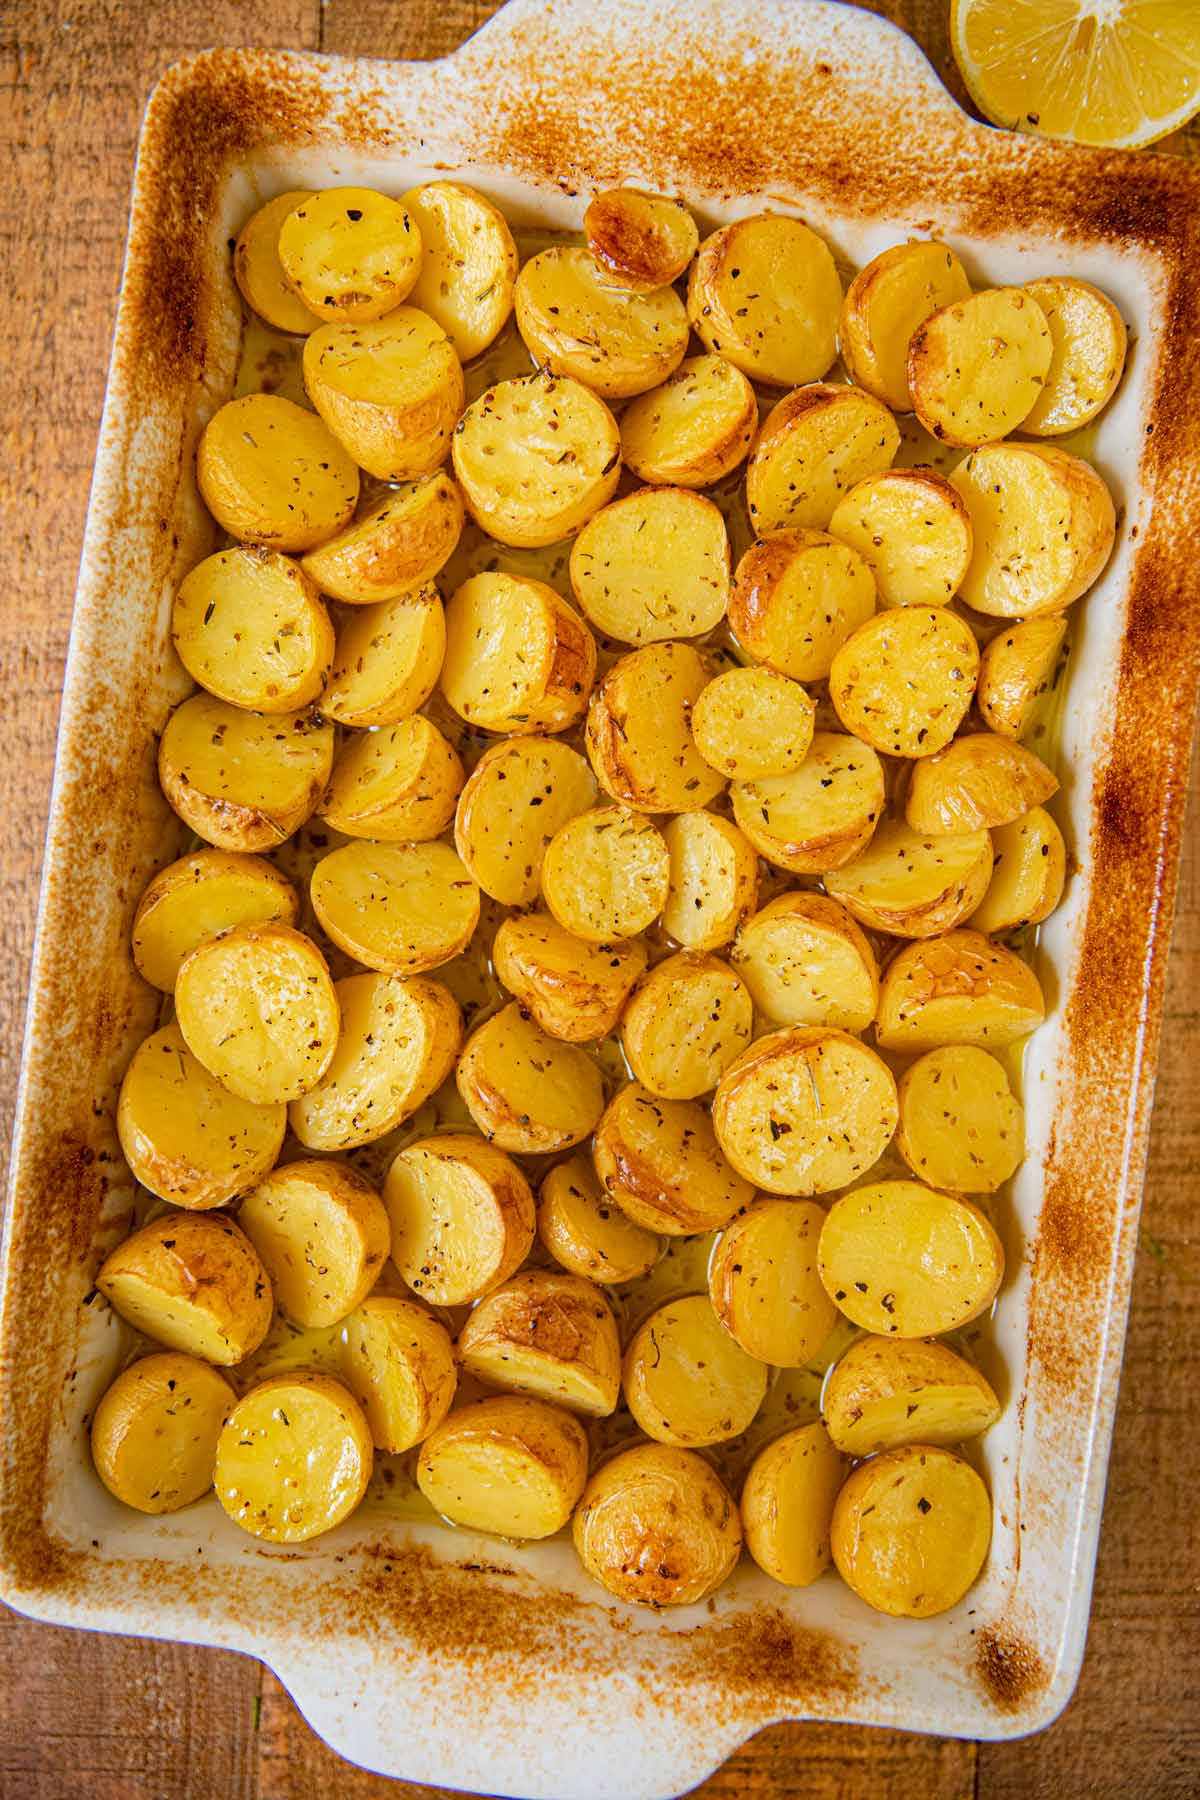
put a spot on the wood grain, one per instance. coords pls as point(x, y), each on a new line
point(120, 1719)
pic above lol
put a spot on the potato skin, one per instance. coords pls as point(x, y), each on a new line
point(193, 1282)
point(548, 1334)
point(395, 429)
point(1015, 669)
point(536, 677)
point(538, 1457)
point(468, 265)
point(957, 989)
point(657, 1526)
point(883, 1393)
point(393, 547)
point(911, 1530)
point(641, 241)
point(293, 754)
point(911, 885)
point(398, 1362)
point(574, 990)
point(154, 1433)
point(462, 1217)
point(979, 781)
point(787, 1505)
point(660, 1162)
point(1030, 872)
point(585, 1233)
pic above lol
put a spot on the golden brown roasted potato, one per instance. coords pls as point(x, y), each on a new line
point(518, 658)
point(657, 1526)
point(687, 1020)
point(154, 1434)
point(961, 1126)
point(390, 391)
point(889, 298)
point(764, 1285)
point(687, 1382)
point(398, 908)
point(814, 446)
point(550, 1335)
point(639, 735)
point(511, 1465)
point(249, 626)
point(912, 530)
point(394, 546)
point(1044, 527)
point(904, 1261)
point(979, 781)
point(1028, 874)
point(585, 1233)
point(977, 367)
point(525, 1090)
point(753, 724)
point(1088, 340)
point(241, 780)
point(398, 1362)
point(573, 989)
point(713, 880)
point(387, 660)
point(1015, 670)
point(823, 814)
point(764, 293)
point(322, 1233)
point(202, 894)
point(957, 989)
point(576, 322)
point(904, 680)
point(271, 473)
point(787, 1504)
point(797, 596)
point(805, 961)
point(350, 253)
point(468, 266)
point(462, 1217)
point(653, 565)
point(693, 430)
point(259, 272)
point(911, 1530)
point(659, 1160)
point(605, 874)
point(536, 457)
point(885, 1392)
point(517, 797)
point(294, 1458)
point(910, 884)
point(637, 240)
point(191, 1281)
point(400, 784)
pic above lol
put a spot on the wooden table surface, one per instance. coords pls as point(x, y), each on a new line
point(118, 1719)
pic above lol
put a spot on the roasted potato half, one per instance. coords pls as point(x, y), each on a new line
point(518, 658)
point(912, 530)
point(753, 724)
point(979, 781)
point(977, 368)
point(1015, 670)
point(961, 1127)
point(605, 874)
point(911, 1530)
point(1044, 527)
point(397, 1360)
point(823, 814)
point(390, 391)
point(525, 1090)
point(387, 660)
point(249, 626)
point(904, 680)
point(693, 430)
point(797, 596)
point(883, 1393)
point(184, 1135)
point(271, 473)
point(687, 1382)
point(193, 1282)
point(713, 880)
point(242, 780)
point(885, 304)
point(257, 1007)
point(574, 990)
point(512, 1465)
point(154, 1434)
point(398, 1043)
point(517, 798)
point(202, 894)
point(805, 1110)
point(687, 1020)
point(903, 1261)
point(639, 241)
point(957, 989)
point(764, 1285)
point(468, 266)
point(909, 884)
point(787, 1504)
point(657, 1526)
point(659, 1160)
point(399, 784)
point(536, 457)
point(815, 445)
point(260, 274)
point(550, 1335)
point(577, 322)
point(764, 294)
point(350, 253)
point(585, 1233)
point(653, 565)
point(294, 1458)
point(805, 961)
point(1028, 875)
point(639, 735)
point(462, 1217)
point(398, 908)
point(394, 546)
point(322, 1233)
point(1088, 345)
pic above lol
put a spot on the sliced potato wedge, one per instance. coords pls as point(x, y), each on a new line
point(885, 1392)
point(398, 908)
point(753, 724)
point(525, 1090)
point(585, 1233)
point(693, 430)
point(1044, 527)
point(294, 1458)
point(154, 1434)
point(764, 1285)
point(979, 781)
point(912, 530)
point(961, 1127)
point(764, 293)
point(398, 1043)
point(257, 1007)
point(1088, 345)
point(977, 368)
point(637, 240)
point(686, 1380)
point(462, 1217)
point(468, 265)
point(639, 736)
point(911, 1530)
point(550, 1335)
point(573, 989)
point(397, 785)
point(686, 1021)
point(322, 1233)
point(660, 1162)
point(249, 626)
point(390, 391)
point(605, 874)
point(787, 1504)
point(198, 896)
point(398, 1362)
point(653, 565)
point(350, 253)
point(536, 457)
point(889, 298)
point(805, 1110)
point(193, 1282)
point(713, 880)
point(512, 1465)
point(909, 884)
point(241, 780)
point(805, 961)
point(903, 1261)
point(517, 798)
point(518, 658)
point(957, 989)
point(904, 680)
point(259, 272)
point(797, 596)
point(394, 546)
point(657, 1526)
point(815, 445)
point(823, 814)
point(271, 473)
point(576, 321)
point(1028, 874)
point(387, 660)
point(1015, 670)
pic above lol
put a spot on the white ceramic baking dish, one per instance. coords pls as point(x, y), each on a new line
point(439, 1656)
